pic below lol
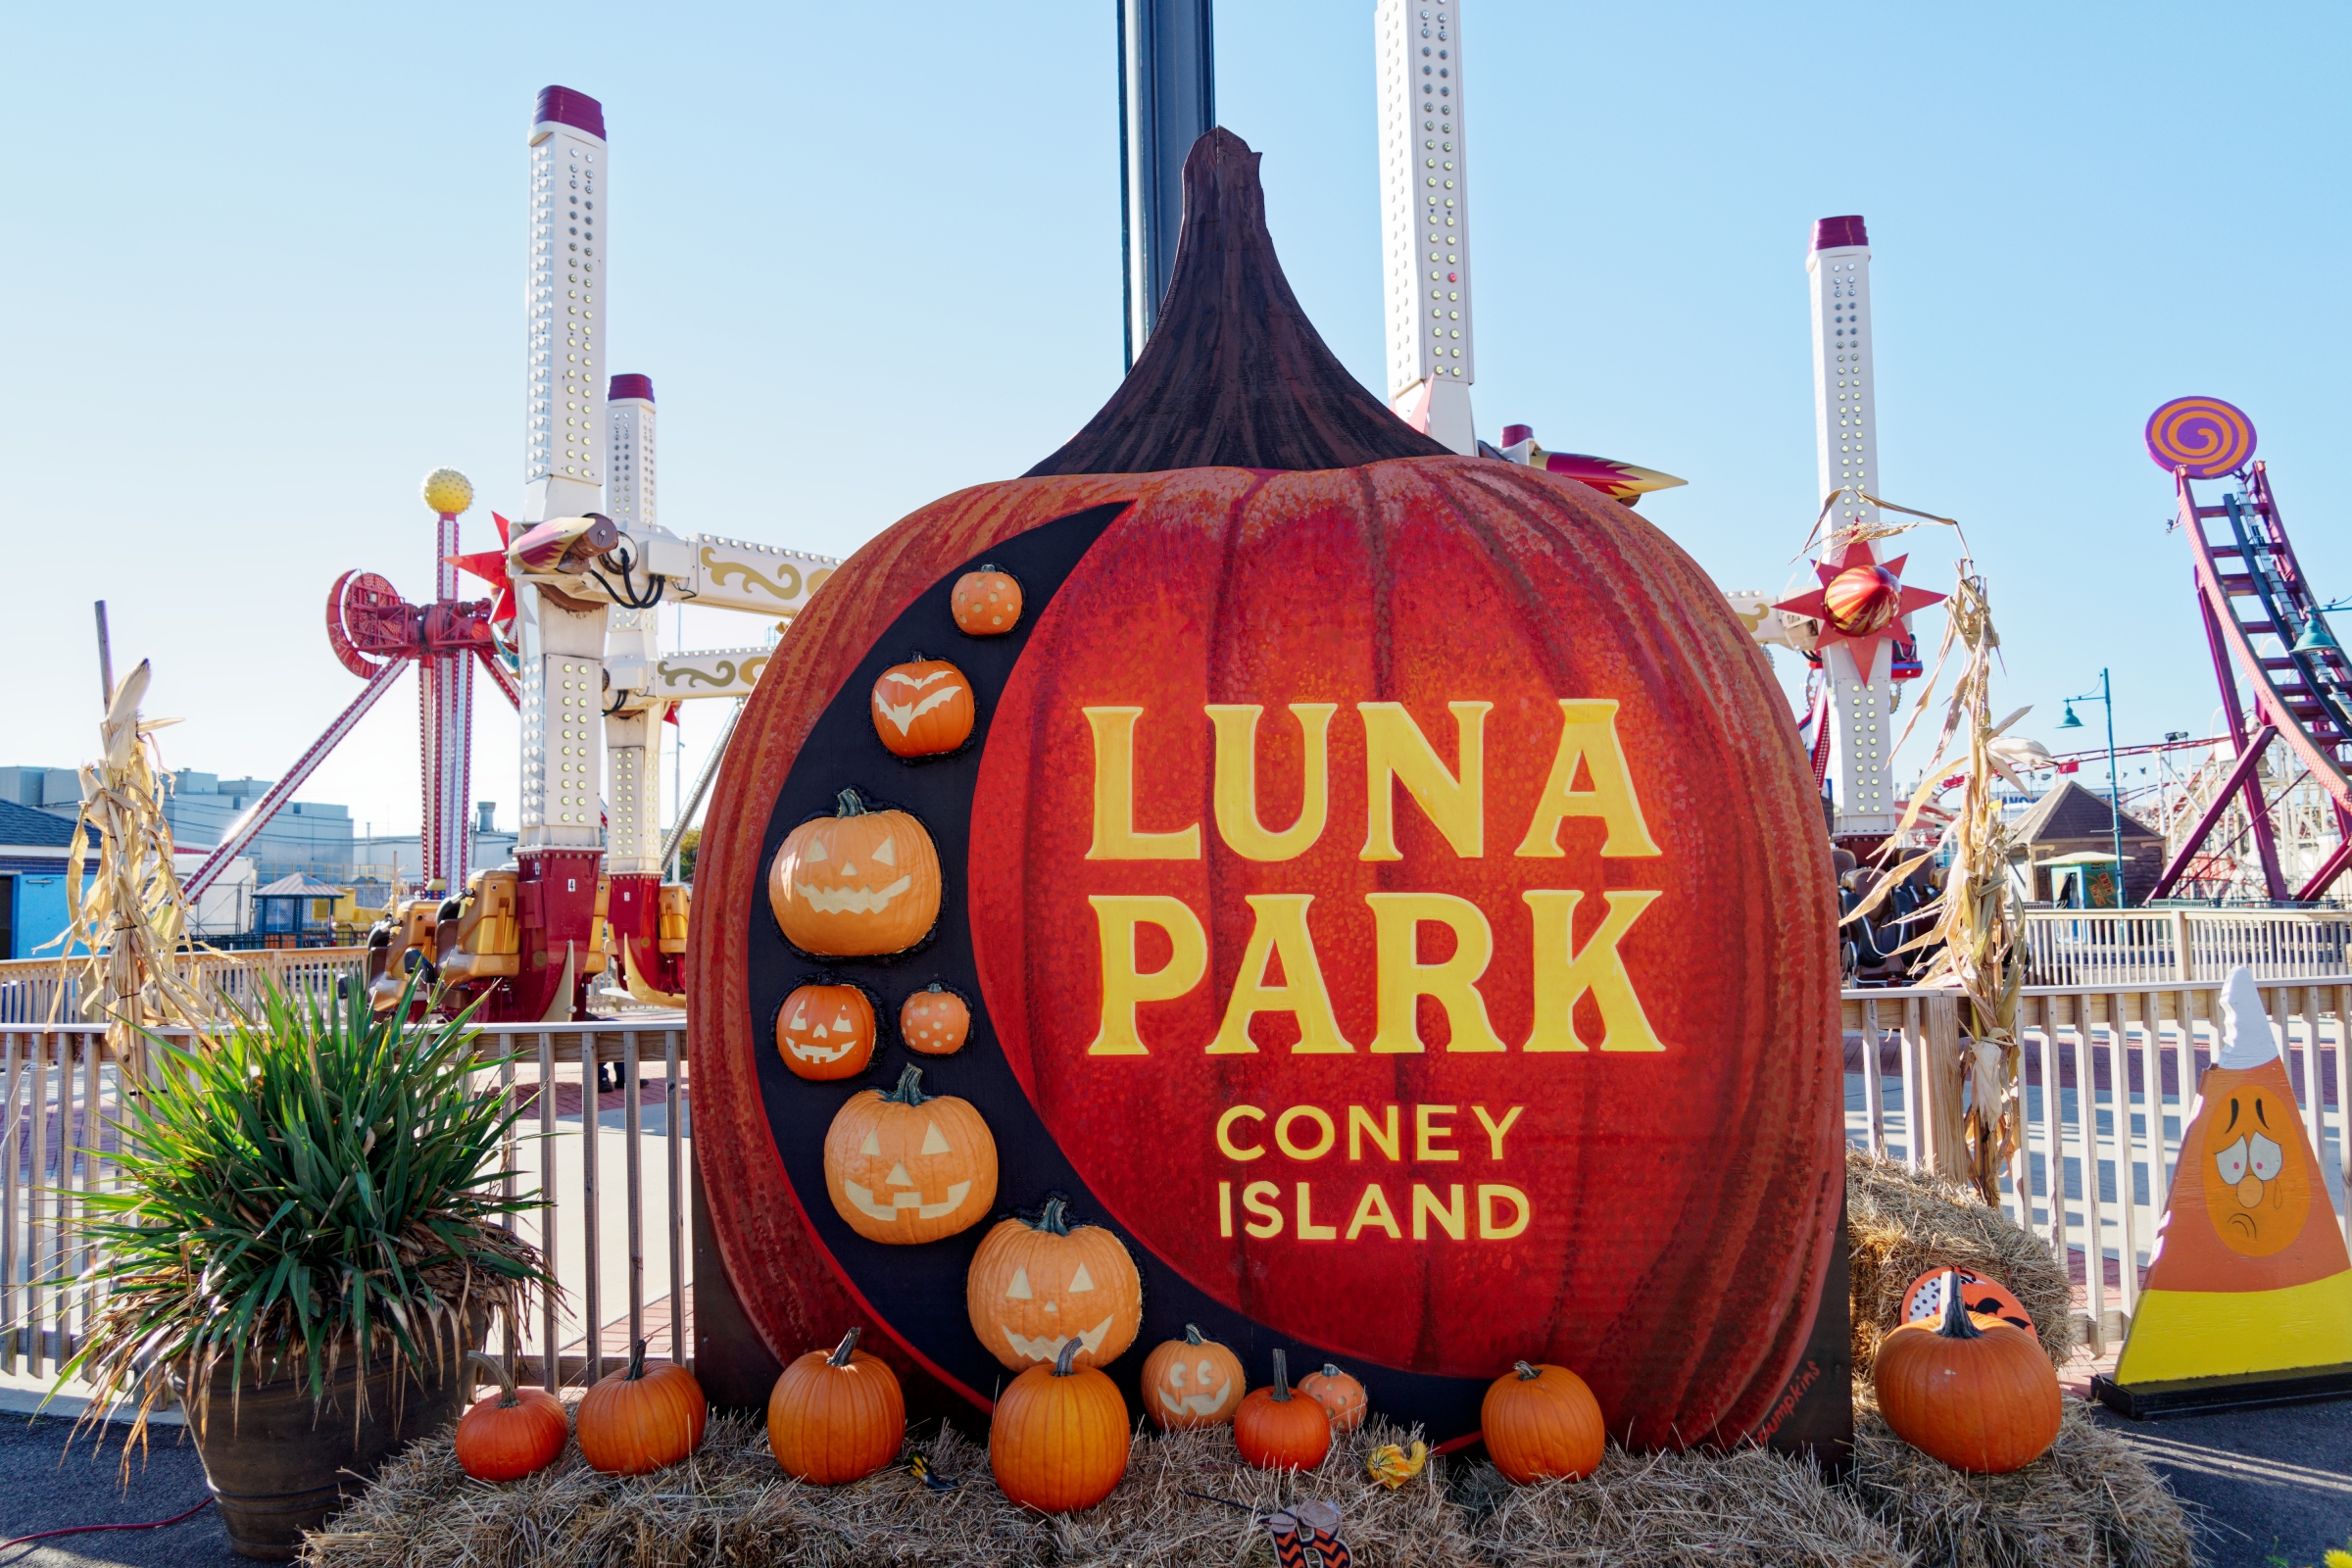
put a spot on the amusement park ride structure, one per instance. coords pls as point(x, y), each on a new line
point(2284, 680)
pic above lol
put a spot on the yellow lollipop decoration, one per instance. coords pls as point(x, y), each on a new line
point(448, 492)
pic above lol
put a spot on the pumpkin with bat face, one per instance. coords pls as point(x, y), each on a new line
point(1192, 1382)
point(923, 708)
point(987, 602)
point(825, 1032)
point(907, 1167)
point(857, 883)
point(1034, 1286)
point(935, 1021)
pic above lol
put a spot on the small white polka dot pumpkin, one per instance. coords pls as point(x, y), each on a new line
point(935, 1021)
point(986, 603)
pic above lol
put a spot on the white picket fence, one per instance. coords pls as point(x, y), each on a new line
point(611, 1173)
point(2110, 1075)
point(2156, 946)
point(2110, 1080)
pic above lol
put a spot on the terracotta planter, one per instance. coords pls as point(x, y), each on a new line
point(280, 1463)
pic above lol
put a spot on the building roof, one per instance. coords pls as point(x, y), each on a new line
point(297, 885)
point(23, 827)
point(2071, 813)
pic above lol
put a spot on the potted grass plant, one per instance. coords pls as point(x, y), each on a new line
point(308, 1242)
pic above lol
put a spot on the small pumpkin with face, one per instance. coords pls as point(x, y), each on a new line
point(986, 603)
point(935, 1021)
point(907, 1167)
point(825, 1032)
point(1034, 1286)
point(1192, 1382)
point(923, 708)
point(856, 883)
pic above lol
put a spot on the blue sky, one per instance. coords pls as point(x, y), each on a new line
point(266, 270)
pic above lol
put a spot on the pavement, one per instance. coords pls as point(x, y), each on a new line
point(2269, 1488)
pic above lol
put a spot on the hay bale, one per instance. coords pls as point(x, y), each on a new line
point(1681, 1510)
point(2090, 1502)
point(730, 1504)
point(1901, 1224)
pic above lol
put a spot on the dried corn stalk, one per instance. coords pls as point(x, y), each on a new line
point(1971, 925)
point(132, 918)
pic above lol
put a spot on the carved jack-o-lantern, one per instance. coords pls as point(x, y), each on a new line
point(855, 883)
point(1034, 1287)
point(826, 1032)
point(1193, 1382)
point(923, 708)
point(935, 1021)
point(909, 1167)
point(986, 603)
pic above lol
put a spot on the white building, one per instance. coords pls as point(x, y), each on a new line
point(1425, 212)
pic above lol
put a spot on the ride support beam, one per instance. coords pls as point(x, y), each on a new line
point(2241, 775)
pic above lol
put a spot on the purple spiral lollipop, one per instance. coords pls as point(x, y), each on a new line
point(2204, 435)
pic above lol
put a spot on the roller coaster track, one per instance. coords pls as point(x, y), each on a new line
point(2249, 589)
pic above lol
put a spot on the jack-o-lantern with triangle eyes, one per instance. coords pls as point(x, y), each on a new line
point(2257, 1183)
point(1034, 1285)
point(1193, 1382)
point(907, 1167)
point(826, 1032)
point(855, 883)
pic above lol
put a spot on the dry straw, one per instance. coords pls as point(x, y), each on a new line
point(1189, 1502)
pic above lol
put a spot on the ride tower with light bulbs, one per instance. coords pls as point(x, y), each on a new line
point(1855, 628)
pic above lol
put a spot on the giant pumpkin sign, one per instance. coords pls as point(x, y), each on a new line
point(1390, 894)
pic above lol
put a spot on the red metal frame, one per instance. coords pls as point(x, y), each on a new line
point(2303, 697)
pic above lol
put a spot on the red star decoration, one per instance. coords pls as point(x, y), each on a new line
point(1815, 606)
point(491, 566)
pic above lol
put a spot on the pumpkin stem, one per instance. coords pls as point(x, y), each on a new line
point(917, 656)
point(1331, 1370)
point(845, 1349)
point(935, 988)
point(1069, 1353)
point(1527, 1374)
point(1051, 1218)
point(1192, 1334)
point(1282, 1379)
point(1956, 1324)
point(507, 1398)
point(848, 804)
point(990, 565)
point(1234, 374)
point(636, 1361)
point(909, 1091)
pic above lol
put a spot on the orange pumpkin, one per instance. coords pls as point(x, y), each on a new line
point(836, 1418)
point(1036, 1286)
point(513, 1433)
point(825, 1032)
point(908, 1167)
point(1341, 1396)
point(1982, 1399)
point(1059, 1438)
point(1988, 1299)
point(1279, 1429)
point(1541, 1421)
point(1192, 1382)
point(857, 883)
point(935, 1021)
point(986, 603)
point(639, 1419)
point(923, 708)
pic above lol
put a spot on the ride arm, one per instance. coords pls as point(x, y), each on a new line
point(646, 568)
point(242, 832)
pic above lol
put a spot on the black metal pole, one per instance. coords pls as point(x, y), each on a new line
point(2115, 790)
point(1168, 100)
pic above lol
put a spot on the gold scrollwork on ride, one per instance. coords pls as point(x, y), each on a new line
point(727, 672)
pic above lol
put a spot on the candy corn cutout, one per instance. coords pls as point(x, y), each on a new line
point(2250, 1282)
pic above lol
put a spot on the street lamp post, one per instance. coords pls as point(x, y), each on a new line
point(2115, 810)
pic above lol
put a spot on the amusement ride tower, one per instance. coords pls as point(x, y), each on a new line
point(1862, 646)
point(1425, 217)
